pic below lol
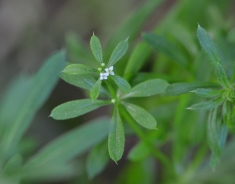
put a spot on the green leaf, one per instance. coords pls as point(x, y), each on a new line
point(212, 138)
point(184, 87)
point(95, 90)
point(30, 97)
point(138, 152)
point(206, 105)
point(77, 49)
point(78, 69)
point(222, 135)
point(139, 55)
point(208, 45)
point(96, 48)
point(207, 93)
point(116, 140)
point(121, 83)
point(141, 116)
point(118, 52)
point(69, 145)
point(221, 75)
point(97, 160)
point(84, 81)
point(76, 108)
point(167, 48)
point(136, 20)
point(147, 88)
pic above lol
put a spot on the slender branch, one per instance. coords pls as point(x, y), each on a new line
point(157, 154)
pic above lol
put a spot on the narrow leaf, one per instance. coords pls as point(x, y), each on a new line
point(76, 108)
point(141, 116)
point(118, 52)
point(70, 145)
point(121, 83)
point(84, 81)
point(35, 94)
point(138, 152)
point(221, 75)
point(212, 138)
point(207, 93)
point(95, 90)
point(207, 105)
point(167, 48)
point(185, 87)
point(139, 55)
point(96, 48)
point(97, 160)
point(136, 20)
point(148, 88)
point(78, 69)
point(116, 140)
point(208, 45)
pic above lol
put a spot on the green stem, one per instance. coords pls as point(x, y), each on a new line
point(157, 154)
point(111, 90)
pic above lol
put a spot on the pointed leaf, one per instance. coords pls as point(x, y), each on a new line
point(136, 20)
point(118, 52)
point(148, 88)
point(207, 93)
point(95, 90)
point(78, 69)
point(208, 45)
point(76, 108)
point(221, 75)
point(70, 145)
point(33, 95)
point(84, 81)
point(138, 57)
point(167, 48)
point(212, 138)
point(121, 83)
point(184, 87)
point(116, 140)
point(141, 116)
point(96, 48)
point(206, 105)
point(138, 152)
point(97, 160)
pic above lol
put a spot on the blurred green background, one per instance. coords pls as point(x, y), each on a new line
point(30, 30)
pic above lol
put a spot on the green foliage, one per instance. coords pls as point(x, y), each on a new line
point(157, 78)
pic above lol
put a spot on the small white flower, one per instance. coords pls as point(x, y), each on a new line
point(109, 70)
point(103, 76)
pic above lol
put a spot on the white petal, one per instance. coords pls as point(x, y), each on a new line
point(111, 68)
point(111, 73)
point(106, 69)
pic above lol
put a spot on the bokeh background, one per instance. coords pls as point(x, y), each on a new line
point(30, 30)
